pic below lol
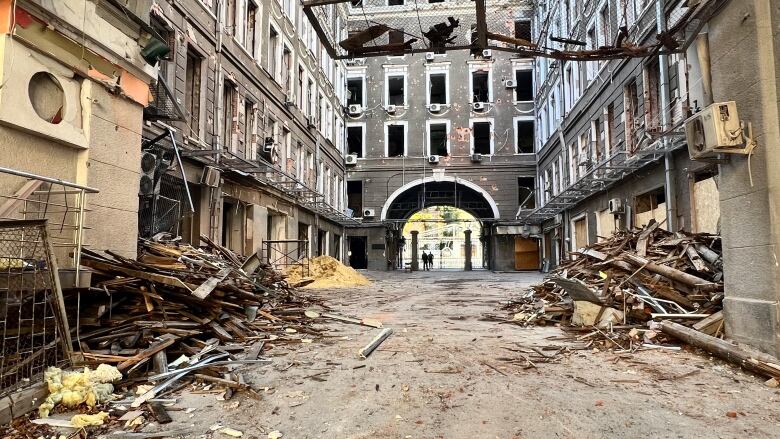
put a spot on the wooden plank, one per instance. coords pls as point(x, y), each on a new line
point(22, 402)
point(208, 286)
point(153, 277)
point(671, 273)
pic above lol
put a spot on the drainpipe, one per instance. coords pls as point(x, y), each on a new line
point(663, 64)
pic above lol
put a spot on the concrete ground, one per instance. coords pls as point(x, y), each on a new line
point(444, 374)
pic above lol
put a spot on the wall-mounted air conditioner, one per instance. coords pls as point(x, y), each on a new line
point(714, 130)
point(430, 56)
point(615, 206)
point(268, 144)
point(476, 158)
point(355, 109)
point(479, 106)
point(390, 109)
point(510, 83)
point(368, 213)
point(433, 159)
point(487, 53)
point(351, 159)
point(210, 176)
point(434, 108)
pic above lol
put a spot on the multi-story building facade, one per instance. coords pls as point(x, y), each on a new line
point(612, 146)
point(260, 126)
point(453, 128)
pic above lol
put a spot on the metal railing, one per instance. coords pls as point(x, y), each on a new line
point(61, 203)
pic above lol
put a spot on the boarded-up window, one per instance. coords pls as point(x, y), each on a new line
point(606, 224)
point(706, 204)
point(650, 205)
point(580, 231)
point(526, 254)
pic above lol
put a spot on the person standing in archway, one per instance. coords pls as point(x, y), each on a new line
point(425, 260)
point(430, 260)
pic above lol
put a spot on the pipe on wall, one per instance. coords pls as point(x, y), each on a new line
point(663, 66)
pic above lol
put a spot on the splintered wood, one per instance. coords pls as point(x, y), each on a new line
point(628, 279)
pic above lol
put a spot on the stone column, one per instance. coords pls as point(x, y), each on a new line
point(467, 248)
point(415, 262)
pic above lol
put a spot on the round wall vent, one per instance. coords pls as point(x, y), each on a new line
point(47, 97)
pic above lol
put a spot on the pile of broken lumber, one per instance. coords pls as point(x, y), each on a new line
point(203, 310)
point(630, 278)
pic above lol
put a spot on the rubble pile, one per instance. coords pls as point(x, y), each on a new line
point(628, 279)
point(324, 272)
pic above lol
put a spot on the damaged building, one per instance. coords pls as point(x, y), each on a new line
point(435, 128)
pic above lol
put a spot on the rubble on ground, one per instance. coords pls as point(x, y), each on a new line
point(612, 288)
point(324, 272)
point(175, 317)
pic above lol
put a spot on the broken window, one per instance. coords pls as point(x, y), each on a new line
point(524, 88)
point(355, 89)
point(650, 205)
point(355, 140)
point(169, 37)
point(395, 2)
point(523, 30)
point(395, 36)
point(395, 90)
point(396, 140)
point(483, 136)
point(437, 139)
point(651, 94)
point(355, 197)
point(286, 71)
point(526, 190)
point(480, 86)
point(251, 20)
point(229, 98)
point(631, 111)
point(438, 88)
point(249, 129)
point(356, 3)
point(192, 92)
point(525, 136)
point(273, 50)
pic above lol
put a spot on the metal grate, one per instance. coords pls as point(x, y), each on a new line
point(162, 106)
point(285, 253)
point(33, 330)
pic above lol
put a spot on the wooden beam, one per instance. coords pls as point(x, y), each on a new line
point(481, 24)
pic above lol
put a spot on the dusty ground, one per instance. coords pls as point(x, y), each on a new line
point(432, 378)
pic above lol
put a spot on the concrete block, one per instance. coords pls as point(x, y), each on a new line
point(748, 272)
point(745, 220)
point(754, 322)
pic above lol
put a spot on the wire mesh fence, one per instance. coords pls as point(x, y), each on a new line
point(33, 334)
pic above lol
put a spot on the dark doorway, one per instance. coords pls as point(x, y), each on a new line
point(322, 242)
point(358, 258)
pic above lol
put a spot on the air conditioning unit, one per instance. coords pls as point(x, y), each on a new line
point(430, 56)
point(510, 83)
point(487, 53)
point(355, 109)
point(434, 108)
point(351, 159)
point(268, 144)
point(476, 158)
point(391, 109)
point(210, 176)
point(433, 159)
point(714, 130)
point(478, 106)
point(148, 185)
point(368, 213)
point(615, 206)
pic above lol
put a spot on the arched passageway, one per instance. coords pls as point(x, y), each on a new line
point(444, 216)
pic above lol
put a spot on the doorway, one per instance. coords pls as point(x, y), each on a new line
point(526, 253)
point(358, 257)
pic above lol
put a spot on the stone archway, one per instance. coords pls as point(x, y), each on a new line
point(439, 191)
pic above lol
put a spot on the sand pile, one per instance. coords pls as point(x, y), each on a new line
point(327, 272)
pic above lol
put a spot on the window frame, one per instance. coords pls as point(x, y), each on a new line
point(393, 72)
point(403, 123)
point(476, 67)
point(437, 70)
point(447, 145)
point(362, 126)
point(517, 119)
point(472, 139)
